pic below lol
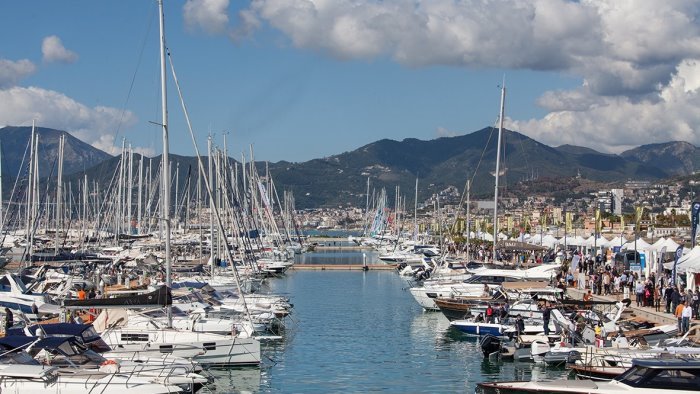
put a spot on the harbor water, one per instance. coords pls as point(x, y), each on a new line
point(355, 331)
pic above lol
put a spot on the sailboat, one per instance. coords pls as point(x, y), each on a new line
point(206, 348)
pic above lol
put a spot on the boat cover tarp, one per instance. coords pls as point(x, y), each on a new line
point(161, 297)
point(13, 342)
point(518, 246)
point(592, 302)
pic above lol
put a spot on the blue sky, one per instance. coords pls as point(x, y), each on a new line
point(307, 79)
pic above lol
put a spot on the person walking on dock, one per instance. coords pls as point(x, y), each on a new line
point(679, 315)
point(668, 296)
point(686, 314)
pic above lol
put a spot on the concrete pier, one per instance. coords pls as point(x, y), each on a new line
point(633, 311)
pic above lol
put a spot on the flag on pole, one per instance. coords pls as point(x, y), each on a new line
point(679, 253)
point(569, 226)
point(622, 223)
point(637, 217)
point(660, 267)
point(694, 219)
point(597, 222)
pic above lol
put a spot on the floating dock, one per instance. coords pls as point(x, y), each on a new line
point(342, 267)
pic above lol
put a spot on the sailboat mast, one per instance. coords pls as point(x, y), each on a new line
point(469, 218)
point(2, 217)
point(165, 158)
point(498, 169)
point(59, 190)
point(415, 213)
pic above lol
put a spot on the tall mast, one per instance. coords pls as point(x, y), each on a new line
point(139, 216)
point(130, 191)
point(165, 158)
point(2, 217)
point(498, 164)
point(468, 216)
point(59, 188)
point(212, 256)
point(415, 213)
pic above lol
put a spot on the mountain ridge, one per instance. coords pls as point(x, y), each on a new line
point(341, 179)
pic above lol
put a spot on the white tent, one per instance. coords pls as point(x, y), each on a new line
point(689, 262)
point(641, 245)
point(592, 241)
point(617, 241)
point(659, 244)
point(671, 245)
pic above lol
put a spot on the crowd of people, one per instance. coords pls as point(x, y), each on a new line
point(597, 277)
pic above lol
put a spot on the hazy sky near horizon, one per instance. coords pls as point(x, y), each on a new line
point(303, 79)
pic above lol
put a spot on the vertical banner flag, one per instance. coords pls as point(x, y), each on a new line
point(679, 253)
point(694, 219)
point(660, 267)
point(510, 224)
point(574, 263)
point(544, 221)
point(597, 222)
point(637, 217)
point(622, 223)
point(568, 224)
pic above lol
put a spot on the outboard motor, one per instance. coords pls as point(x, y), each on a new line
point(489, 344)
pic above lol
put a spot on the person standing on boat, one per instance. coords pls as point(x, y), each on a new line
point(489, 314)
point(546, 315)
point(519, 325)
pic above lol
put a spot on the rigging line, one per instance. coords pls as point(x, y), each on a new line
point(208, 188)
point(133, 76)
point(483, 152)
point(522, 149)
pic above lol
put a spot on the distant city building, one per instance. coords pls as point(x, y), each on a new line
point(637, 184)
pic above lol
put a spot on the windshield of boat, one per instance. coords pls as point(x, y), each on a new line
point(669, 378)
point(18, 357)
point(490, 279)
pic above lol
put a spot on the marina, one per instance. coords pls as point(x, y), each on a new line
point(134, 270)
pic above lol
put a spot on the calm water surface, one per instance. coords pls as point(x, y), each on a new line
point(357, 331)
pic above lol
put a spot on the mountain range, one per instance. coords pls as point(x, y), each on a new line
point(341, 180)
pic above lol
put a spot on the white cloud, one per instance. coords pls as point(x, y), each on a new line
point(96, 125)
point(208, 15)
point(12, 72)
point(53, 50)
point(614, 124)
point(633, 56)
point(443, 132)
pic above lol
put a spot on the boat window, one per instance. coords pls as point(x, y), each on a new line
point(210, 346)
point(166, 348)
point(633, 376)
point(129, 337)
point(678, 379)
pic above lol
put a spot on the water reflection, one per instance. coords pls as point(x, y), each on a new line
point(363, 332)
point(238, 380)
point(338, 256)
